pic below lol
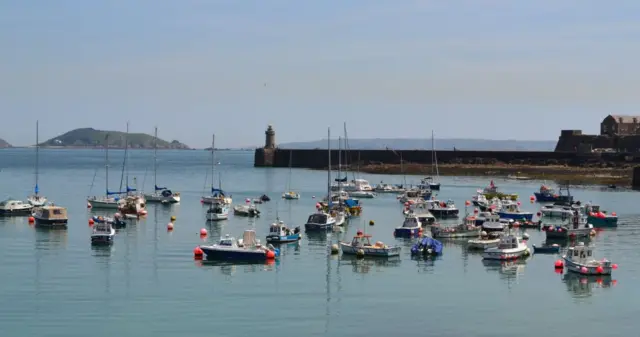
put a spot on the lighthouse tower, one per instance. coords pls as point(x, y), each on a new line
point(270, 138)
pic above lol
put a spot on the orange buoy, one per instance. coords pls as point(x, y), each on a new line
point(170, 226)
point(203, 232)
point(197, 253)
point(599, 270)
point(559, 264)
point(91, 221)
point(32, 219)
point(271, 255)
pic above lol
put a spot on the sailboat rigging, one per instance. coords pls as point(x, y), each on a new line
point(36, 199)
point(160, 194)
point(290, 194)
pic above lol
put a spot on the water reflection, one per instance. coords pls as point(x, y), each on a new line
point(102, 251)
point(581, 286)
point(426, 264)
point(47, 239)
point(230, 268)
point(508, 270)
point(364, 265)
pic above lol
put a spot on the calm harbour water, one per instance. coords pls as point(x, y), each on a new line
point(55, 284)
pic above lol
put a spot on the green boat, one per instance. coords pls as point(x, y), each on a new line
point(599, 218)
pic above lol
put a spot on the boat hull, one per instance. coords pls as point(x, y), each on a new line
point(172, 199)
point(405, 232)
point(568, 233)
point(291, 196)
point(591, 270)
point(16, 212)
point(543, 197)
point(283, 238)
point(607, 222)
point(516, 216)
point(505, 254)
point(546, 249)
point(104, 204)
point(492, 227)
point(101, 239)
point(314, 227)
point(438, 233)
point(480, 244)
point(51, 223)
point(551, 213)
point(347, 248)
point(217, 216)
point(216, 254)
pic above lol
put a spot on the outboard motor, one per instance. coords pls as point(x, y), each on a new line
point(265, 197)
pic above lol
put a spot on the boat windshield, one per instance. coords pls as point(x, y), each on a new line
point(226, 242)
point(274, 229)
point(410, 222)
point(508, 242)
point(319, 218)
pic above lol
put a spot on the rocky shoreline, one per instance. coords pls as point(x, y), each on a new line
point(619, 176)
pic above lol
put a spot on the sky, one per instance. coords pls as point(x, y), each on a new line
point(390, 69)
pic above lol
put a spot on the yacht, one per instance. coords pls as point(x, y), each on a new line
point(109, 200)
point(36, 199)
point(160, 194)
point(388, 188)
point(15, 207)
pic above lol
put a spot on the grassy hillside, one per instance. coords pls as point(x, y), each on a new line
point(89, 137)
point(4, 144)
point(440, 144)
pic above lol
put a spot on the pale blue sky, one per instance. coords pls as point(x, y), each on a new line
point(468, 69)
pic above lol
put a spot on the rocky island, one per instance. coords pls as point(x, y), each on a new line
point(90, 137)
point(4, 144)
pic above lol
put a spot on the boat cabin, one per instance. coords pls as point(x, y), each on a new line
point(470, 221)
point(508, 242)
point(511, 208)
point(411, 221)
point(227, 241)
point(9, 203)
point(102, 228)
point(51, 213)
point(580, 254)
point(318, 218)
point(363, 240)
point(412, 194)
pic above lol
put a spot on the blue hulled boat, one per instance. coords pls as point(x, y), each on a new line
point(547, 194)
point(513, 211)
point(427, 246)
point(410, 227)
point(247, 249)
point(279, 233)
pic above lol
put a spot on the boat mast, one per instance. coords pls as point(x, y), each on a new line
point(155, 160)
point(106, 163)
point(329, 169)
point(290, 170)
point(36, 190)
point(435, 158)
point(339, 164)
point(126, 157)
point(213, 158)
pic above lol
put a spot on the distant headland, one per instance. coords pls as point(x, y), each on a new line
point(4, 144)
point(91, 138)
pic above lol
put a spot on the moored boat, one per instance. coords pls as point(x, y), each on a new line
point(578, 228)
point(546, 249)
point(218, 211)
point(546, 194)
point(51, 216)
point(443, 210)
point(247, 249)
point(427, 247)
point(290, 195)
point(11, 207)
point(421, 210)
point(495, 224)
point(579, 259)
point(484, 242)
point(362, 194)
point(468, 229)
point(513, 211)
point(411, 226)
point(510, 247)
point(599, 218)
point(116, 221)
point(280, 233)
point(320, 221)
point(160, 194)
point(361, 245)
point(102, 234)
point(246, 210)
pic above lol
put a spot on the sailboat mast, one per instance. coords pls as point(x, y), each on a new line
point(339, 163)
point(290, 170)
point(213, 158)
point(37, 159)
point(126, 157)
point(106, 163)
point(435, 157)
point(329, 169)
point(155, 159)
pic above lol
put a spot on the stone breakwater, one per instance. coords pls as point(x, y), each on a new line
point(591, 168)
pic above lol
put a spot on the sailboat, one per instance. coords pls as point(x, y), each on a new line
point(433, 184)
point(290, 195)
point(321, 220)
point(36, 199)
point(110, 200)
point(134, 202)
point(217, 194)
point(160, 194)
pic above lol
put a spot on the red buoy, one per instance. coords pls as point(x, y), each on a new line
point(170, 226)
point(197, 253)
point(599, 270)
point(32, 219)
point(203, 232)
point(271, 255)
point(614, 266)
point(559, 264)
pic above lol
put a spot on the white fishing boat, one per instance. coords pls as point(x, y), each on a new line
point(484, 241)
point(579, 259)
point(160, 194)
point(441, 209)
point(280, 233)
point(421, 211)
point(388, 188)
point(577, 228)
point(494, 223)
point(510, 247)
point(413, 195)
point(51, 216)
point(103, 233)
point(11, 207)
point(362, 194)
point(218, 211)
point(468, 229)
point(480, 200)
point(361, 245)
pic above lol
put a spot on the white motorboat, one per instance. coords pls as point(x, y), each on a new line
point(103, 233)
point(510, 247)
point(559, 210)
point(411, 226)
point(249, 210)
point(290, 195)
point(51, 216)
point(160, 194)
point(247, 249)
point(361, 245)
point(483, 243)
point(388, 188)
point(441, 209)
point(133, 205)
point(10, 207)
point(218, 211)
point(493, 223)
point(468, 229)
point(421, 211)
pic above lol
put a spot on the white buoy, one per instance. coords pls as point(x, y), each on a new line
point(360, 253)
point(525, 236)
point(335, 249)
